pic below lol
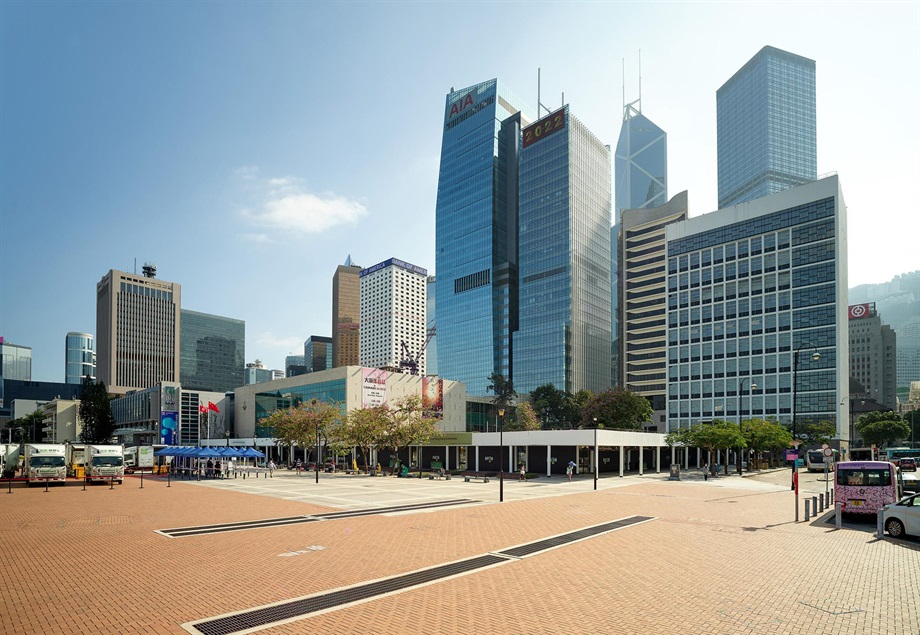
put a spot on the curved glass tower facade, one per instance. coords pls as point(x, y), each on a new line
point(80, 358)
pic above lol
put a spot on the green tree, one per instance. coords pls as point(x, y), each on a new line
point(95, 413)
point(406, 424)
point(526, 417)
point(814, 433)
point(718, 435)
point(364, 428)
point(882, 428)
point(575, 405)
point(305, 423)
point(765, 435)
point(503, 389)
point(28, 427)
point(617, 409)
point(550, 405)
point(913, 420)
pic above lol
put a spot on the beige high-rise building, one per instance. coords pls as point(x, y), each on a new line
point(346, 314)
point(137, 330)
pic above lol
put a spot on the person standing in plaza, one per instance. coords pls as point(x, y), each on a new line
point(570, 468)
point(705, 471)
point(523, 473)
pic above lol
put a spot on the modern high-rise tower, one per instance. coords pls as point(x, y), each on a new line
point(79, 358)
point(137, 330)
point(766, 127)
point(476, 233)
point(393, 316)
point(346, 314)
point(564, 257)
point(641, 162)
point(213, 351)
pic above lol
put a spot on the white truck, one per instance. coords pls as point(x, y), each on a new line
point(139, 457)
point(46, 462)
point(105, 463)
point(9, 459)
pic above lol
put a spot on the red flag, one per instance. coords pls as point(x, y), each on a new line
point(201, 408)
point(213, 406)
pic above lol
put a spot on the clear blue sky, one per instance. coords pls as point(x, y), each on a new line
point(248, 148)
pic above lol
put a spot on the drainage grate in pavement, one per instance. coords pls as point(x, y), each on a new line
point(296, 609)
point(292, 610)
point(564, 539)
point(295, 520)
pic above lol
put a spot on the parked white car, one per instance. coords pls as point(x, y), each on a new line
point(903, 517)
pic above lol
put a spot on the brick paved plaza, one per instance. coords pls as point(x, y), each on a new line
point(719, 557)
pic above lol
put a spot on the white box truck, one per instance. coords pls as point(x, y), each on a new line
point(9, 459)
point(105, 463)
point(139, 457)
point(46, 462)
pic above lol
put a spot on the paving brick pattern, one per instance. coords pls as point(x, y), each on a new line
point(718, 558)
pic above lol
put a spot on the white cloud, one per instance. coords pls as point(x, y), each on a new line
point(284, 205)
point(259, 239)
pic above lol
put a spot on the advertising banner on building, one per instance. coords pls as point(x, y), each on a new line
point(169, 413)
point(861, 310)
point(373, 387)
point(433, 396)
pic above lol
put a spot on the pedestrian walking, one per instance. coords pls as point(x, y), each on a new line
point(705, 471)
point(523, 473)
point(271, 468)
point(570, 469)
point(209, 469)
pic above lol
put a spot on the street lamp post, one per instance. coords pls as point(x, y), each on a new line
point(595, 454)
point(501, 455)
point(753, 386)
point(795, 389)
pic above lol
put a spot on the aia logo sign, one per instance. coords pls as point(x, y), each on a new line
point(460, 105)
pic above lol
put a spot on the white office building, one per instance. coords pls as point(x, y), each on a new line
point(393, 315)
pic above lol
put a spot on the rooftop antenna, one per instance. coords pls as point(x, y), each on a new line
point(640, 81)
point(539, 103)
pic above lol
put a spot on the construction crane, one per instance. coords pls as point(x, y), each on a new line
point(410, 361)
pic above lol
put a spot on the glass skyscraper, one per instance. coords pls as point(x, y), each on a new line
point(212, 351)
point(641, 163)
point(80, 358)
point(475, 233)
point(766, 127)
point(564, 261)
point(750, 288)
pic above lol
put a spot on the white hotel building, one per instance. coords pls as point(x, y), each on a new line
point(393, 311)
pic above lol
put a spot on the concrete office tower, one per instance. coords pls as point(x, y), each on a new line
point(766, 126)
point(564, 257)
point(393, 296)
point(643, 294)
point(346, 314)
point(641, 163)
point(317, 352)
point(873, 355)
point(476, 233)
point(15, 361)
point(137, 330)
point(750, 287)
point(79, 357)
point(212, 350)
point(614, 308)
point(431, 352)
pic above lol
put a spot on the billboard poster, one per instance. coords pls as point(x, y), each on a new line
point(432, 396)
point(169, 423)
point(373, 387)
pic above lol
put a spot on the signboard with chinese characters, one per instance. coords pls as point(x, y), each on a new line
point(551, 123)
point(373, 387)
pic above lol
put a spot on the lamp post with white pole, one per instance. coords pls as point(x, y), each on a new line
point(596, 457)
point(795, 389)
point(753, 386)
point(501, 456)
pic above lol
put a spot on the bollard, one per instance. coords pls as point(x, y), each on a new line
point(807, 510)
point(821, 502)
point(831, 496)
point(814, 504)
point(168, 474)
point(838, 513)
point(880, 528)
point(46, 486)
point(198, 474)
point(142, 479)
point(112, 483)
point(9, 485)
point(84, 483)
